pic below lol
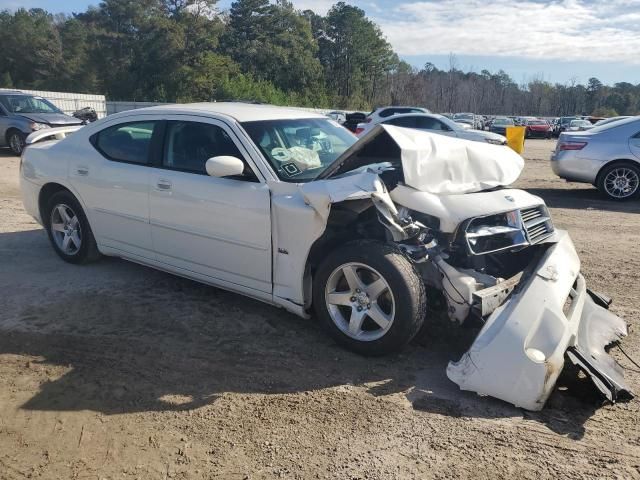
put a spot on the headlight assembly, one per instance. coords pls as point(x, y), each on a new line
point(494, 141)
point(495, 232)
point(35, 126)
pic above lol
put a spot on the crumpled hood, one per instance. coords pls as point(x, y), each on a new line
point(51, 118)
point(433, 163)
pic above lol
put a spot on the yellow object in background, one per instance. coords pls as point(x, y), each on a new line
point(515, 138)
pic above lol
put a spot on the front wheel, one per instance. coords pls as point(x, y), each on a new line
point(369, 297)
point(620, 181)
point(16, 142)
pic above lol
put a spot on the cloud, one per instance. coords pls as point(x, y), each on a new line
point(570, 30)
point(321, 7)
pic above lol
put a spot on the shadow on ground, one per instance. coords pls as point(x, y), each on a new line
point(5, 152)
point(140, 344)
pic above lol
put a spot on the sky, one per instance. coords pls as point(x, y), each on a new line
point(556, 40)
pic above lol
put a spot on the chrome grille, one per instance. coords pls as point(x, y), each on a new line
point(537, 223)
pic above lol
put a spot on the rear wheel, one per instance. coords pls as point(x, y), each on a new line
point(69, 230)
point(620, 181)
point(369, 297)
point(16, 140)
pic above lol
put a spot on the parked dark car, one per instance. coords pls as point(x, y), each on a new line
point(538, 129)
point(86, 114)
point(563, 125)
point(500, 124)
point(22, 114)
point(353, 119)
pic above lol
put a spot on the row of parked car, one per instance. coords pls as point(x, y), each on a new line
point(603, 152)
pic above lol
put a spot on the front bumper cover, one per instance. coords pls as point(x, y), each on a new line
point(519, 353)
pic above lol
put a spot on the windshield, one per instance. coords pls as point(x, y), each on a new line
point(503, 121)
point(300, 149)
point(27, 104)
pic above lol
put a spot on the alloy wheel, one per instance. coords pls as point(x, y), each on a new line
point(16, 143)
point(360, 302)
point(65, 229)
point(621, 182)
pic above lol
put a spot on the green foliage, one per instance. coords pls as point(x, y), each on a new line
point(604, 112)
point(265, 51)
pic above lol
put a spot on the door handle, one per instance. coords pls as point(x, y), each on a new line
point(164, 185)
point(82, 171)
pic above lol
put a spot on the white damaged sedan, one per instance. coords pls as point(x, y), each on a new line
point(287, 207)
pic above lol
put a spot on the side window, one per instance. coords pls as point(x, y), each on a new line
point(188, 146)
point(428, 123)
point(407, 122)
point(4, 104)
point(127, 142)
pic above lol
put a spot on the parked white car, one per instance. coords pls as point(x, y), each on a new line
point(289, 208)
point(436, 124)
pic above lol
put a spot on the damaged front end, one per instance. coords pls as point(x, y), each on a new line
point(492, 252)
point(534, 308)
point(521, 349)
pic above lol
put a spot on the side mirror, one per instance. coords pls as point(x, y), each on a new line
point(224, 166)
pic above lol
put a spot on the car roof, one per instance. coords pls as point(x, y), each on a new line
point(398, 106)
point(241, 112)
point(414, 114)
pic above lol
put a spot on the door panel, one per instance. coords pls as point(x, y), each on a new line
point(634, 145)
point(219, 227)
point(116, 192)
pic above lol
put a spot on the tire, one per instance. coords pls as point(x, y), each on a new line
point(620, 181)
point(387, 315)
point(65, 232)
point(16, 141)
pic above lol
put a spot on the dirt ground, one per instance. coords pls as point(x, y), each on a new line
point(114, 370)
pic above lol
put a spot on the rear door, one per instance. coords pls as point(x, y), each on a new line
point(216, 227)
point(112, 179)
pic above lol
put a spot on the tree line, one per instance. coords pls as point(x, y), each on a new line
point(188, 50)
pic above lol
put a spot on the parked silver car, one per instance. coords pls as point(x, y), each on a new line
point(22, 114)
point(607, 156)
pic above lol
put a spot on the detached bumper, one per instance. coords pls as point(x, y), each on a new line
point(520, 351)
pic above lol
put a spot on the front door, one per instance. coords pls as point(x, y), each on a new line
point(217, 227)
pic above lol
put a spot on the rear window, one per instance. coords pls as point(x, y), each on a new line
point(387, 112)
point(126, 142)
